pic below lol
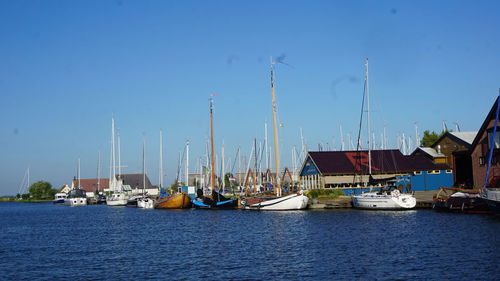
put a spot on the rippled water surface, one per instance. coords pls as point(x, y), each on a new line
point(46, 242)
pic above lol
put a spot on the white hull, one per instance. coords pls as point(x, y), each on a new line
point(117, 199)
point(78, 201)
point(290, 202)
point(377, 201)
point(145, 203)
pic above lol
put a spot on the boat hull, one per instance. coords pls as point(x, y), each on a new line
point(145, 203)
point(285, 203)
point(462, 205)
point(58, 202)
point(492, 199)
point(376, 201)
point(117, 199)
point(175, 201)
point(73, 202)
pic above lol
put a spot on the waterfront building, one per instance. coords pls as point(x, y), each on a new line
point(349, 171)
point(131, 183)
point(479, 152)
point(452, 148)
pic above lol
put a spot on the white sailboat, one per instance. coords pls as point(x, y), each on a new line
point(76, 196)
point(385, 199)
point(144, 201)
point(118, 196)
point(296, 201)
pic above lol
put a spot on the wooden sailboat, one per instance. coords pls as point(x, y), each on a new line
point(388, 198)
point(216, 200)
point(295, 201)
point(178, 200)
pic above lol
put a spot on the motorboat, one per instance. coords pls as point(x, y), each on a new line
point(59, 198)
point(76, 197)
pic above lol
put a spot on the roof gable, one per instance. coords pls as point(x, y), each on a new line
point(484, 126)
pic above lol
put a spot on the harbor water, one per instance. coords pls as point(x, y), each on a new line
point(47, 242)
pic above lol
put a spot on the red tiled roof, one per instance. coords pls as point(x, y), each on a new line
point(90, 185)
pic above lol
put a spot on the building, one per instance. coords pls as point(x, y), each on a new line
point(131, 183)
point(349, 170)
point(452, 148)
point(480, 149)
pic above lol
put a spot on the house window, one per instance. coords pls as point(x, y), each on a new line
point(417, 172)
point(434, 172)
point(481, 161)
point(449, 171)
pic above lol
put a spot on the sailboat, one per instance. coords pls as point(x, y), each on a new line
point(388, 198)
point(492, 195)
point(295, 201)
point(76, 196)
point(179, 200)
point(144, 201)
point(118, 196)
point(217, 200)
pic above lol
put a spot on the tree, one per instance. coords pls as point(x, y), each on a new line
point(430, 138)
point(41, 190)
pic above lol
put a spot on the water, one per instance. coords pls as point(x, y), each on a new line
point(46, 242)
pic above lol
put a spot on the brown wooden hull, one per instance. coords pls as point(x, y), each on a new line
point(175, 201)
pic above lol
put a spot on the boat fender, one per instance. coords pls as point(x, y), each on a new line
point(243, 202)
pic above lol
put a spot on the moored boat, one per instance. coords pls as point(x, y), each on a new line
point(175, 201)
point(216, 201)
point(76, 197)
point(59, 198)
point(387, 198)
point(296, 201)
point(460, 200)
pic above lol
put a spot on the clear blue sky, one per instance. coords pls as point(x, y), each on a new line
point(67, 67)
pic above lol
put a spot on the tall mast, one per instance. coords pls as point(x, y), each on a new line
point(78, 173)
point(119, 156)
point(265, 145)
point(113, 156)
point(187, 163)
point(222, 167)
point(275, 131)
point(98, 171)
point(369, 118)
point(161, 160)
point(143, 166)
point(212, 153)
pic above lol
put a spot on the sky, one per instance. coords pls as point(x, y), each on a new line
point(68, 67)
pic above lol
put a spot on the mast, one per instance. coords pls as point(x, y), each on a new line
point(369, 118)
point(161, 160)
point(222, 167)
point(119, 156)
point(275, 132)
point(187, 163)
point(98, 171)
point(143, 166)
point(212, 154)
point(78, 173)
point(113, 157)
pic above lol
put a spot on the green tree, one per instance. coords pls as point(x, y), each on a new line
point(430, 138)
point(41, 190)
